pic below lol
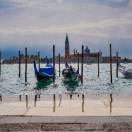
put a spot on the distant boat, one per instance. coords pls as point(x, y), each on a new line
point(127, 72)
point(70, 73)
point(45, 73)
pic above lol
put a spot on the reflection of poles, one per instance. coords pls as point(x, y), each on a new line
point(0, 63)
point(26, 101)
point(111, 101)
point(54, 102)
point(0, 98)
point(60, 97)
point(82, 102)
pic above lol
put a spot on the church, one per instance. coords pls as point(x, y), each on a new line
point(89, 57)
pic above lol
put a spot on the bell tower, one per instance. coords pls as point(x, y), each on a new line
point(67, 47)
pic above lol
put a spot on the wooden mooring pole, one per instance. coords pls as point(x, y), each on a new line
point(59, 65)
point(117, 64)
point(54, 63)
point(98, 63)
point(111, 79)
point(19, 64)
point(38, 60)
point(54, 102)
point(78, 61)
point(82, 65)
point(26, 66)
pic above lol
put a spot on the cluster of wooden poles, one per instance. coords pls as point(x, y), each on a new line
point(82, 62)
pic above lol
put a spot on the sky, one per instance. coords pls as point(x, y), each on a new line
point(38, 24)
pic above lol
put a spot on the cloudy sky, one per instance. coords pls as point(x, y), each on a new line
point(38, 24)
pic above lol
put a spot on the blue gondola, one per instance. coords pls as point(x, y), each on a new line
point(45, 73)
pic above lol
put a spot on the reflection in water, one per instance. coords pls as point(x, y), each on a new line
point(71, 85)
point(111, 101)
point(43, 84)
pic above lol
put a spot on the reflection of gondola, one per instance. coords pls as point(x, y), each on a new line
point(70, 85)
point(45, 73)
point(43, 84)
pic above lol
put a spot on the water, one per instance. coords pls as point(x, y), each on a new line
point(93, 86)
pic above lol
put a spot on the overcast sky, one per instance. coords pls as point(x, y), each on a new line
point(38, 24)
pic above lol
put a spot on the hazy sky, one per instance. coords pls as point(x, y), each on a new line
point(38, 24)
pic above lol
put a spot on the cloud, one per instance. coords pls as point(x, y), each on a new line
point(46, 21)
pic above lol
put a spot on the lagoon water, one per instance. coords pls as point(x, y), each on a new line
point(10, 84)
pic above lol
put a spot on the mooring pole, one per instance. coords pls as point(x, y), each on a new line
point(117, 64)
point(98, 63)
point(111, 64)
point(25, 65)
point(0, 63)
point(19, 64)
point(82, 66)
point(82, 102)
point(38, 60)
point(78, 60)
point(54, 102)
point(54, 63)
point(59, 65)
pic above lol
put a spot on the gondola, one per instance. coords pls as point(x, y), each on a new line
point(126, 72)
point(70, 73)
point(45, 73)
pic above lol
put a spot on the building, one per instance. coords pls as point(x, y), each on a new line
point(89, 57)
point(67, 48)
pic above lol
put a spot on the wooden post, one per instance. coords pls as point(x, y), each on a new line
point(26, 101)
point(59, 65)
point(82, 102)
point(20, 98)
point(0, 63)
point(35, 100)
point(19, 64)
point(78, 60)
point(111, 80)
point(38, 60)
point(98, 63)
point(54, 63)
point(54, 102)
point(82, 66)
point(26, 66)
point(117, 64)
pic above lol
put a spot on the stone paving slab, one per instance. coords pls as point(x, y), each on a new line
point(89, 123)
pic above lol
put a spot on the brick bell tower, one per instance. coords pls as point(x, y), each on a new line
point(67, 48)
